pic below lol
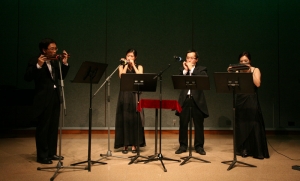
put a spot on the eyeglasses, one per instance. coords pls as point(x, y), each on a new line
point(191, 58)
point(52, 49)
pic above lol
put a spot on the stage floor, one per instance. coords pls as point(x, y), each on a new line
point(18, 160)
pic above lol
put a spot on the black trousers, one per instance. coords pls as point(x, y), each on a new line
point(197, 117)
point(47, 128)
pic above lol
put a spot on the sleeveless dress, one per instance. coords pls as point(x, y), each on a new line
point(126, 125)
point(250, 137)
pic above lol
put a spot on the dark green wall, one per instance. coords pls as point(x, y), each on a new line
point(102, 31)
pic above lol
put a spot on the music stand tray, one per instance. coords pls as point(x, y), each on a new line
point(234, 83)
point(224, 82)
point(86, 69)
point(199, 82)
point(138, 82)
point(89, 72)
point(194, 82)
point(145, 82)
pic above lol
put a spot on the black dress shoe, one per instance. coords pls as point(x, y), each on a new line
point(244, 153)
point(44, 161)
point(201, 151)
point(56, 157)
point(133, 151)
point(124, 151)
point(180, 150)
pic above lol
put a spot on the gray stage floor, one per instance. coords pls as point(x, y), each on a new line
point(18, 160)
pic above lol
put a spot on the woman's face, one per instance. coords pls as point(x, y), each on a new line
point(130, 56)
point(245, 60)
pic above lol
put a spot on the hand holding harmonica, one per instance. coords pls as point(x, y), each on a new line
point(188, 65)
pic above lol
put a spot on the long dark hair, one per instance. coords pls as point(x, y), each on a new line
point(131, 50)
point(247, 54)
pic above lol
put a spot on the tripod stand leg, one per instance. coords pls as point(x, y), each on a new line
point(133, 158)
point(187, 158)
point(90, 162)
point(162, 163)
point(58, 167)
point(233, 162)
point(107, 155)
point(296, 167)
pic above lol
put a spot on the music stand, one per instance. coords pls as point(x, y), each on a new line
point(89, 72)
point(138, 82)
point(159, 156)
point(195, 82)
point(234, 83)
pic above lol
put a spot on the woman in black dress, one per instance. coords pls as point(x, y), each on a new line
point(126, 127)
point(250, 128)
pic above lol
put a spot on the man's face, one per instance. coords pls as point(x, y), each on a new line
point(51, 50)
point(191, 58)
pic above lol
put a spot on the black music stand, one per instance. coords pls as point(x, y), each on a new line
point(195, 82)
point(159, 156)
point(234, 83)
point(138, 82)
point(89, 72)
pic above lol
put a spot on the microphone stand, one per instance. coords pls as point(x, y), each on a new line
point(62, 114)
point(159, 156)
point(108, 154)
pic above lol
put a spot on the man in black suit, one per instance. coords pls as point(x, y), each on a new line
point(45, 73)
point(199, 107)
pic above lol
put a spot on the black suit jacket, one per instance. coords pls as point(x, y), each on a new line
point(198, 95)
point(44, 84)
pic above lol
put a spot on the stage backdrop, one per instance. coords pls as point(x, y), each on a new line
point(102, 31)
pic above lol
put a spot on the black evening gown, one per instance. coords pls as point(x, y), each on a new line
point(250, 128)
point(126, 125)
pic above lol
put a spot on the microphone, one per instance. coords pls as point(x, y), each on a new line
point(124, 62)
point(179, 59)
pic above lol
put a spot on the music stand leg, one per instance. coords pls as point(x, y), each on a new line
point(58, 167)
point(234, 161)
point(133, 158)
point(296, 167)
point(155, 139)
point(187, 158)
point(159, 156)
point(89, 161)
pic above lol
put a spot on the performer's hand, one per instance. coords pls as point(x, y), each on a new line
point(185, 66)
point(228, 69)
point(42, 58)
point(65, 58)
point(190, 65)
point(131, 62)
